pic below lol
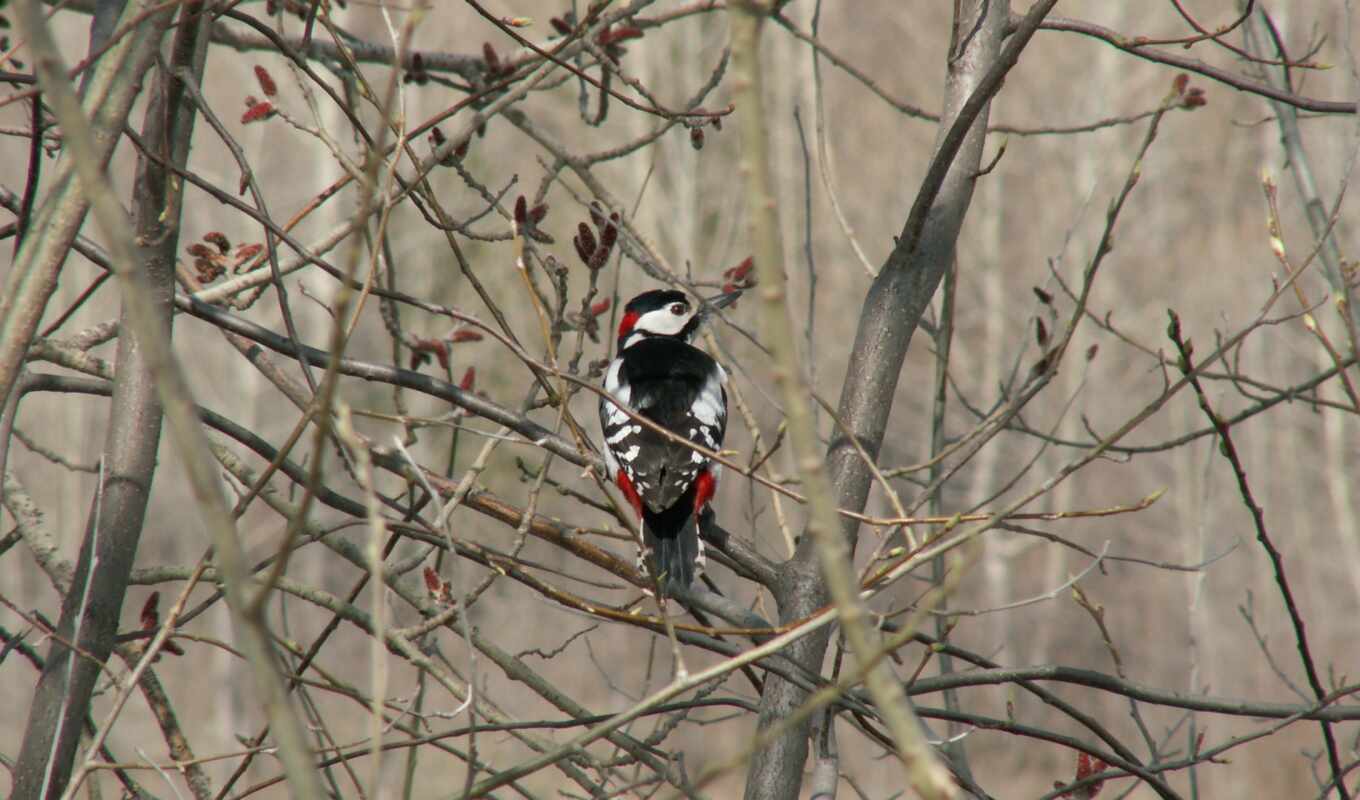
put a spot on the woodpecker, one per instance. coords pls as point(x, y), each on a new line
point(661, 377)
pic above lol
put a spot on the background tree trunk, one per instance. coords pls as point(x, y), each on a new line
point(93, 604)
point(897, 299)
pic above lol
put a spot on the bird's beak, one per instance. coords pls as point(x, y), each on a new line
point(707, 308)
point(722, 300)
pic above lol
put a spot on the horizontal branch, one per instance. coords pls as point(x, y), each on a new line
point(1134, 691)
point(535, 433)
point(1137, 47)
point(467, 66)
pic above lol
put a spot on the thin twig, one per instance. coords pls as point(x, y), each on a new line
point(1186, 365)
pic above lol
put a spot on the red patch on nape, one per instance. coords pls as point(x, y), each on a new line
point(626, 324)
point(629, 493)
point(705, 486)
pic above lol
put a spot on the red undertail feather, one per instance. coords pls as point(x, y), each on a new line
point(705, 486)
point(626, 486)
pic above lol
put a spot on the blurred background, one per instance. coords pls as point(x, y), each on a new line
point(1192, 237)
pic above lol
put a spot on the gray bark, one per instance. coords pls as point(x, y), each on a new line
point(107, 99)
point(895, 303)
point(119, 509)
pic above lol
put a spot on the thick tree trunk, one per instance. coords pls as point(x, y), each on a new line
point(895, 303)
point(91, 608)
point(108, 97)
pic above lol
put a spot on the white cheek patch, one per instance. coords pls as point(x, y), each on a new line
point(662, 321)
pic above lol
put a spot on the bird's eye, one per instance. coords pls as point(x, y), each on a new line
point(677, 309)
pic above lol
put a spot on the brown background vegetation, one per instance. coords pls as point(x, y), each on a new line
point(1193, 238)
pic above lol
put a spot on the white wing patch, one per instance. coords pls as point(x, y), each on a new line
point(616, 387)
point(614, 421)
point(660, 471)
point(624, 431)
point(611, 463)
point(708, 406)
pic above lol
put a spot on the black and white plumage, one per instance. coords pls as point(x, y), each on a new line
point(659, 375)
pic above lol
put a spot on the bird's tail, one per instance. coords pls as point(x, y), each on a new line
point(673, 549)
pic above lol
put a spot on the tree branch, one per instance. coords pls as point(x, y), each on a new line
point(1240, 82)
point(891, 311)
point(144, 317)
point(108, 97)
point(922, 768)
point(115, 522)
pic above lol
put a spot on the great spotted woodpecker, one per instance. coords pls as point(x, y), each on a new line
point(661, 377)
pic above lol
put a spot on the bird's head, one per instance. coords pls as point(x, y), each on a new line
point(666, 312)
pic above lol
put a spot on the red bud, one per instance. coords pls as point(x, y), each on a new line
point(151, 615)
point(493, 61)
point(267, 84)
point(219, 240)
point(256, 112)
point(585, 241)
point(741, 270)
point(621, 33)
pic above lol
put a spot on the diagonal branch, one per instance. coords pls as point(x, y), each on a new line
point(146, 308)
point(1134, 47)
point(62, 697)
point(1187, 368)
point(891, 311)
point(109, 93)
point(922, 769)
